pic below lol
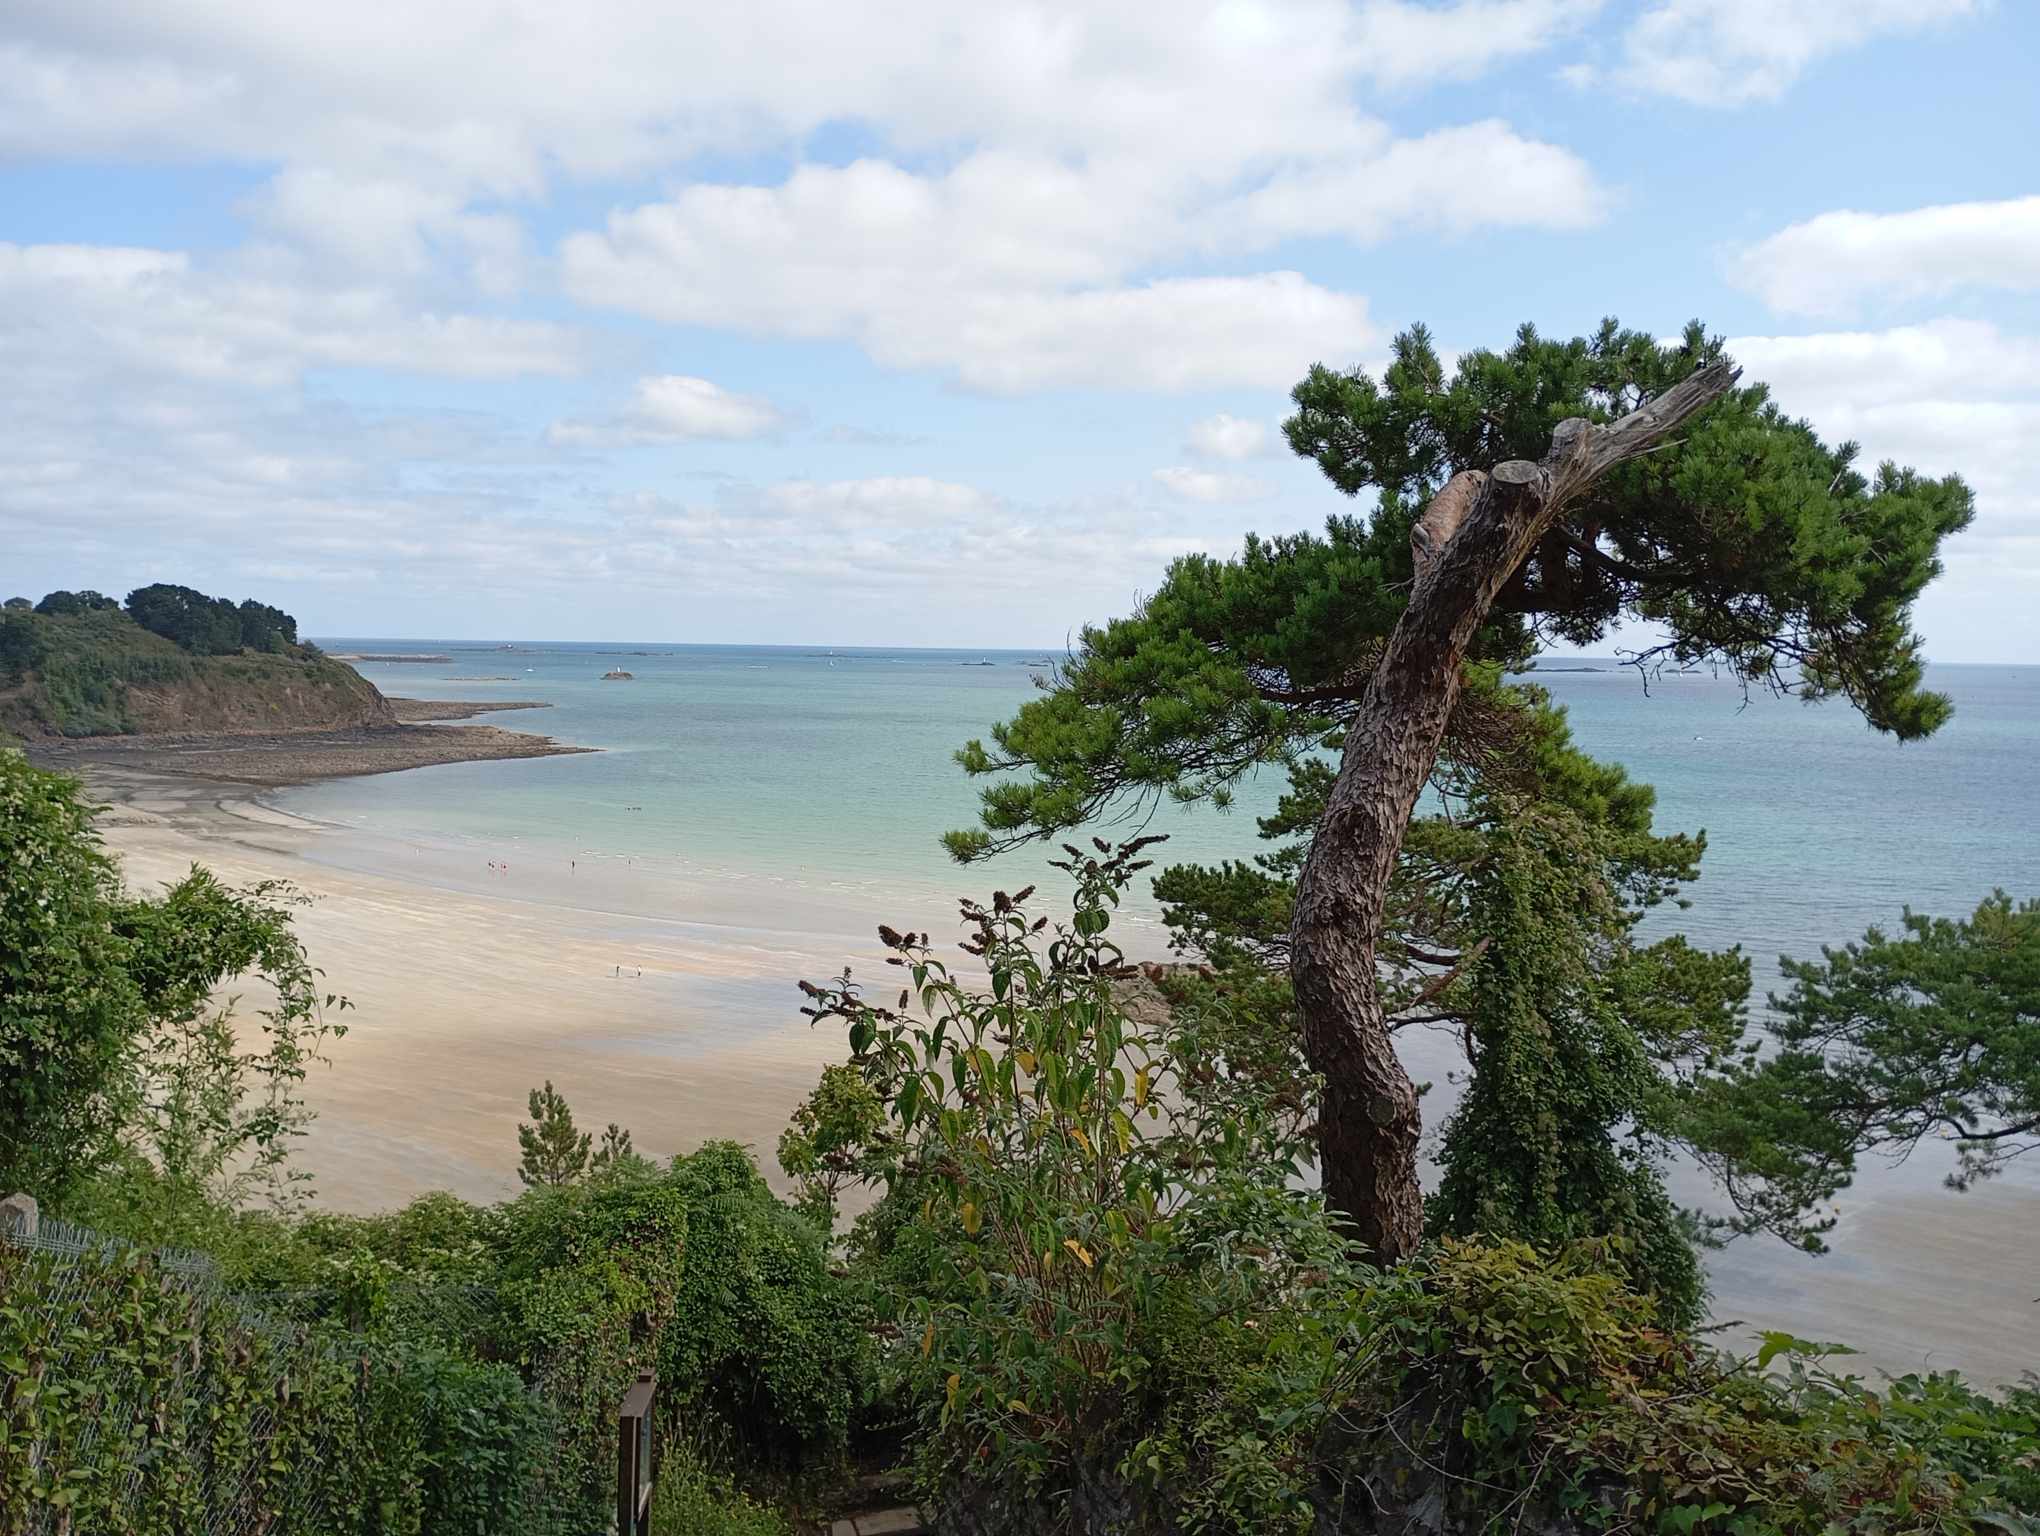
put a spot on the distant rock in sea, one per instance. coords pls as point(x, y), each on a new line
point(617, 675)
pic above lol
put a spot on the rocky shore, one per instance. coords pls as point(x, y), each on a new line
point(273, 759)
point(415, 711)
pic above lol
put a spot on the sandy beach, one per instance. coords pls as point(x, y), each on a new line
point(463, 1002)
point(473, 983)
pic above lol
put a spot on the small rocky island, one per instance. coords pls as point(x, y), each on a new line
point(616, 675)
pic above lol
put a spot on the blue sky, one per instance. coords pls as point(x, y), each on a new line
point(938, 324)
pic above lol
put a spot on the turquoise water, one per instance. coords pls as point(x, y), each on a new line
point(828, 774)
point(787, 799)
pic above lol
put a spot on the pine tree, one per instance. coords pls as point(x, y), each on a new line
point(1549, 491)
point(615, 1153)
point(555, 1154)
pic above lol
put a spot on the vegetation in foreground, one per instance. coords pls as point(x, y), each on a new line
point(1089, 1296)
point(1094, 1290)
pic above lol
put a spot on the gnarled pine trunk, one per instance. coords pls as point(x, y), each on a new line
point(1472, 538)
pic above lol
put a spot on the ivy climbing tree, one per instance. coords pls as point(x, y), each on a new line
point(1544, 492)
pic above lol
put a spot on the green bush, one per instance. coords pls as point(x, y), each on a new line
point(1540, 1382)
point(137, 1395)
point(1115, 1310)
point(449, 1310)
point(21, 645)
point(1107, 1292)
point(590, 1277)
point(764, 1336)
point(88, 663)
point(137, 1401)
point(690, 1500)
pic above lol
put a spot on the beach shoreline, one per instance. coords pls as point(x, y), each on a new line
point(682, 1028)
point(475, 979)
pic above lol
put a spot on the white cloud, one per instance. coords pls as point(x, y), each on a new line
point(155, 314)
point(1951, 397)
point(1211, 486)
point(1173, 334)
point(160, 418)
point(676, 408)
point(1831, 264)
point(391, 227)
point(1944, 359)
point(873, 255)
point(1226, 436)
point(1017, 190)
point(1478, 176)
point(1407, 44)
point(897, 503)
point(1729, 52)
point(163, 423)
point(1010, 270)
point(503, 97)
point(867, 540)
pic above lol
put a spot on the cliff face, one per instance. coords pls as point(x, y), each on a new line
point(100, 674)
point(230, 695)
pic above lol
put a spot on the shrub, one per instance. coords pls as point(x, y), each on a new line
point(1105, 1288)
point(693, 1501)
point(590, 1281)
point(1117, 1311)
point(1511, 1381)
point(139, 1395)
point(111, 1050)
point(136, 1399)
point(22, 646)
point(764, 1336)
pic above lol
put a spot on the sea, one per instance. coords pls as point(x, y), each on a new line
point(831, 773)
point(813, 783)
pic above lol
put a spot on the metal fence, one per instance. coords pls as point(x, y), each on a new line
point(67, 1274)
point(69, 1271)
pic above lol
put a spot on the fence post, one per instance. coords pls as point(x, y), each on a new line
point(19, 1216)
point(634, 1458)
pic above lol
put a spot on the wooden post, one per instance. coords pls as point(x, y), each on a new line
point(634, 1458)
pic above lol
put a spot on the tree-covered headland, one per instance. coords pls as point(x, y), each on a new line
point(168, 658)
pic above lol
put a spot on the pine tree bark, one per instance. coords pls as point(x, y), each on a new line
point(1473, 537)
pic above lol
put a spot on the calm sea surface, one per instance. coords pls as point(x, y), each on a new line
point(830, 772)
point(802, 789)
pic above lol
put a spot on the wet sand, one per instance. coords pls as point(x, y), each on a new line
point(464, 1002)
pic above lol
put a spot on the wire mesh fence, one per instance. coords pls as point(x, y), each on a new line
point(120, 1363)
point(140, 1392)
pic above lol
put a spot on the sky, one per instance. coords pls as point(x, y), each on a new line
point(926, 323)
